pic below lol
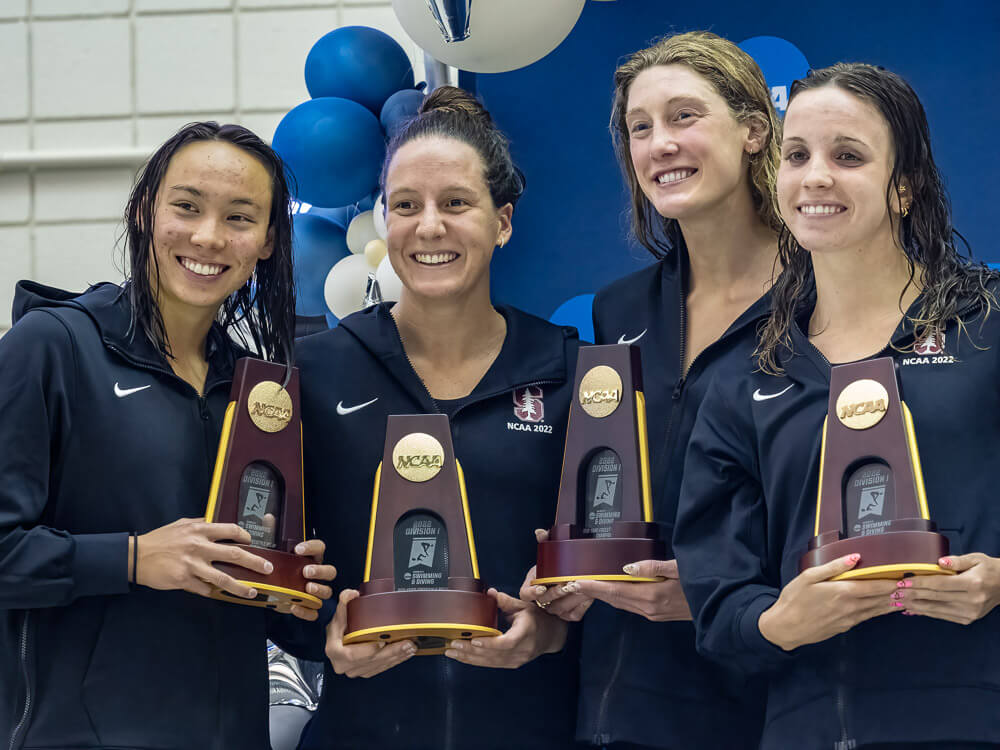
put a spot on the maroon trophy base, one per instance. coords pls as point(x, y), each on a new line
point(893, 555)
point(595, 559)
point(430, 618)
point(280, 589)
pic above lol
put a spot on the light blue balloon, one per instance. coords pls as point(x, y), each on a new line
point(358, 63)
point(576, 312)
point(398, 108)
point(333, 150)
point(317, 244)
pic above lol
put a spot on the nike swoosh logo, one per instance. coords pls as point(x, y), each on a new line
point(623, 340)
point(758, 396)
point(342, 410)
point(123, 392)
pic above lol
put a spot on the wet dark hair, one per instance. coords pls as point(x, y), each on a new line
point(450, 112)
point(261, 313)
point(948, 278)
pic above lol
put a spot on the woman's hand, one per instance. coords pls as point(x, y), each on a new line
point(961, 598)
point(180, 556)
point(361, 659)
point(314, 548)
point(531, 634)
point(812, 608)
point(662, 601)
point(559, 600)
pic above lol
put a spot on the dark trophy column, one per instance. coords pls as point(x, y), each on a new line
point(421, 573)
point(258, 483)
point(871, 491)
point(605, 515)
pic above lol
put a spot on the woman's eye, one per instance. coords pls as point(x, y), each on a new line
point(684, 115)
point(184, 205)
point(241, 218)
point(847, 156)
point(403, 205)
point(638, 127)
point(796, 157)
point(456, 203)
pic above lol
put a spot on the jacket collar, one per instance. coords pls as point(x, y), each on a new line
point(107, 305)
point(533, 351)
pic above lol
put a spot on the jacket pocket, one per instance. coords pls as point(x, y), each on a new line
point(153, 676)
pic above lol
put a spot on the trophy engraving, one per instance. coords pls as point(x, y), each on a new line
point(421, 577)
point(257, 483)
point(871, 497)
point(604, 518)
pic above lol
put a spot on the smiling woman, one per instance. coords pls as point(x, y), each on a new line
point(504, 379)
point(112, 415)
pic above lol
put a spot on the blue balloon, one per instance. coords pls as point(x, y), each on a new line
point(576, 312)
point(331, 319)
point(333, 149)
point(317, 244)
point(358, 63)
point(398, 108)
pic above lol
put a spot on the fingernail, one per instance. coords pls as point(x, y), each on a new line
point(268, 567)
point(309, 571)
point(900, 584)
point(853, 558)
point(897, 604)
point(571, 588)
point(252, 594)
point(907, 583)
point(451, 654)
point(300, 548)
point(477, 643)
point(631, 569)
point(457, 645)
point(539, 590)
point(410, 649)
point(896, 595)
point(946, 561)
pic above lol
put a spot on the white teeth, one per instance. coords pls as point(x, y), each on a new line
point(435, 258)
point(677, 174)
point(821, 210)
point(202, 269)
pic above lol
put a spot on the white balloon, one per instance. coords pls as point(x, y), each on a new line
point(344, 290)
point(389, 284)
point(361, 231)
point(375, 251)
point(378, 216)
point(502, 35)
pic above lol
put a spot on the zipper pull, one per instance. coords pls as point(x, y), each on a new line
point(678, 389)
point(203, 408)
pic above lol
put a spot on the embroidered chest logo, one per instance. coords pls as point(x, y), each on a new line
point(528, 405)
point(929, 350)
point(932, 343)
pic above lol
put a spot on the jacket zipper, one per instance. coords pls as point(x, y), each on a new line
point(28, 696)
point(601, 735)
point(845, 742)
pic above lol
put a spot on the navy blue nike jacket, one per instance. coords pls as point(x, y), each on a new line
point(353, 377)
point(641, 681)
point(98, 439)
point(747, 512)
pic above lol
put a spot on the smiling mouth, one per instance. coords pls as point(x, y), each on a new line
point(821, 210)
point(207, 270)
point(675, 175)
point(434, 259)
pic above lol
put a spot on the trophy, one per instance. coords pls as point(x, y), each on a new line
point(421, 574)
point(871, 497)
point(604, 518)
point(257, 483)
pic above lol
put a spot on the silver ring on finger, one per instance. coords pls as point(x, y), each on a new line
point(541, 605)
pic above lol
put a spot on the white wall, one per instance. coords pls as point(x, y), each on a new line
point(113, 74)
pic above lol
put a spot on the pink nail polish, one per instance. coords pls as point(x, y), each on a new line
point(854, 558)
point(897, 604)
point(946, 561)
point(900, 584)
point(907, 583)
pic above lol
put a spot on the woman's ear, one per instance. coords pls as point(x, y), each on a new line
point(758, 133)
point(903, 199)
point(504, 230)
point(268, 247)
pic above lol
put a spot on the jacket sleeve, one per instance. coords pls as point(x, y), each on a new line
point(41, 566)
point(720, 539)
point(302, 639)
point(597, 317)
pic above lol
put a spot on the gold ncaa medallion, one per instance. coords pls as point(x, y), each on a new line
point(600, 391)
point(418, 457)
point(862, 404)
point(270, 406)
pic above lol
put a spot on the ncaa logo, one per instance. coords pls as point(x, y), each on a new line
point(781, 62)
point(931, 343)
point(528, 406)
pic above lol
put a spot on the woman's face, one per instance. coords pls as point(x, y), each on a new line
point(836, 160)
point(210, 224)
point(688, 151)
point(441, 223)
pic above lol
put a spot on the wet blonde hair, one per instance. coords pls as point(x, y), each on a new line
point(738, 80)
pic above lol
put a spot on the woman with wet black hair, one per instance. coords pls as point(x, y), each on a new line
point(872, 269)
point(113, 402)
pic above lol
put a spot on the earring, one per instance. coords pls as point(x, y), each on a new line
point(904, 209)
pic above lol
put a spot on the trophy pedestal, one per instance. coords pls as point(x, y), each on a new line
point(895, 555)
point(280, 589)
point(574, 559)
point(430, 618)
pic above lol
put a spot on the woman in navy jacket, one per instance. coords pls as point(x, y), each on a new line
point(112, 405)
point(870, 231)
point(696, 137)
point(504, 379)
